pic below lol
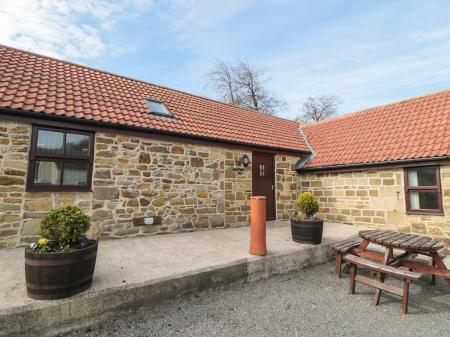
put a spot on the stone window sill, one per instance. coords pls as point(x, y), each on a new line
point(436, 213)
point(58, 189)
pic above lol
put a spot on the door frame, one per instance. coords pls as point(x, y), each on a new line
point(274, 204)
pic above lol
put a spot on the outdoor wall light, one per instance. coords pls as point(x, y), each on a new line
point(242, 163)
point(245, 160)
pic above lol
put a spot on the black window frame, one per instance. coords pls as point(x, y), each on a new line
point(168, 113)
point(60, 158)
point(437, 188)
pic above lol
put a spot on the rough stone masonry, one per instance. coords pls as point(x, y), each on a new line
point(188, 187)
point(376, 198)
point(183, 186)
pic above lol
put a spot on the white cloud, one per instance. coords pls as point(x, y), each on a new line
point(365, 74)
point(368, 55)
point(196, 22)
point(61, 28)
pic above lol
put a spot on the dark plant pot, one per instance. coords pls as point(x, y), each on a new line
point(57, 275)
point(307, 230)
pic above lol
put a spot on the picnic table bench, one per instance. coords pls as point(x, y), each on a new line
point(342, 248)
point(412, 245)
point(405, 275)
point(355, 253)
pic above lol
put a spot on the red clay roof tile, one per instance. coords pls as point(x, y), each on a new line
point(41, 84)
point(411, 129)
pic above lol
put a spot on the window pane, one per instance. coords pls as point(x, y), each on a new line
point(50, 142)
point(77, 145)
point(75, 174)
point(262, 170)
point(158, 107)
point(424, 176)
point(423, 200)
point(47, 173)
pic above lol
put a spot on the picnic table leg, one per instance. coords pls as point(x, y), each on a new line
point(405, 297)
point(439, 263)
point(363, 245)
point(338, 268)
point(353, 271)
point(433, 277)
point(342, 266)
point(387, 256)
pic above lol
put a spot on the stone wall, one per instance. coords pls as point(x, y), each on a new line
point(183, 186)
point(238, 189)
point(287, 185)
point(14, 140)
point(376, 199)
point(187, 187)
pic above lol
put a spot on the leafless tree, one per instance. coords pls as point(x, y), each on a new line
point(244, 86)
point(253, 94)
point(321, 107)
point(222, 78)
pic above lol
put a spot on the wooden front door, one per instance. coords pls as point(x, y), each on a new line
point(263, 180)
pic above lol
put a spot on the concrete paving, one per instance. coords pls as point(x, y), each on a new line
point(140, 272)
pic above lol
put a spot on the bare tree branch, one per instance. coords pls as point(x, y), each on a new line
point(222, 79)
point(318, 108)
point(244, 86)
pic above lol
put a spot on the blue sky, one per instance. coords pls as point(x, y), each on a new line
point(367, 52)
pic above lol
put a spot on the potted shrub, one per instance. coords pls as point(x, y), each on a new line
point(62, 262)
point(305, 227)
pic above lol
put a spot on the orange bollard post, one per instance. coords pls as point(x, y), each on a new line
point(258, 225)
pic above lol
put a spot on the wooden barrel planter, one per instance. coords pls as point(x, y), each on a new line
point(57, 275)
point(309, 231)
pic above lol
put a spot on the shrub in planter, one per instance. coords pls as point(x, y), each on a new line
point(305, 227)
point(62, 262)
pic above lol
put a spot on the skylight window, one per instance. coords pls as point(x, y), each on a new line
point(158, 108)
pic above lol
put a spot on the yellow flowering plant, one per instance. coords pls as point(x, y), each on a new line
point(42, 242)
point(63, 229)
point(43, 245)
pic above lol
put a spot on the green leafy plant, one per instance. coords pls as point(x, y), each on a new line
point(307, 204)
point(64, 226)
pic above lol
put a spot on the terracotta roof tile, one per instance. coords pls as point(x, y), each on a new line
point(411, 129)
point(41, 84)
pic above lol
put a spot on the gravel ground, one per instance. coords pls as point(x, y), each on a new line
point(313, 302)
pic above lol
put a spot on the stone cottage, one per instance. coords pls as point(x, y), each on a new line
point(138, 158)
point(387, 166)
point(143, 159)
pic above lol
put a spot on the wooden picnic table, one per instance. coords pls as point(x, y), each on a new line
point(411, 244)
